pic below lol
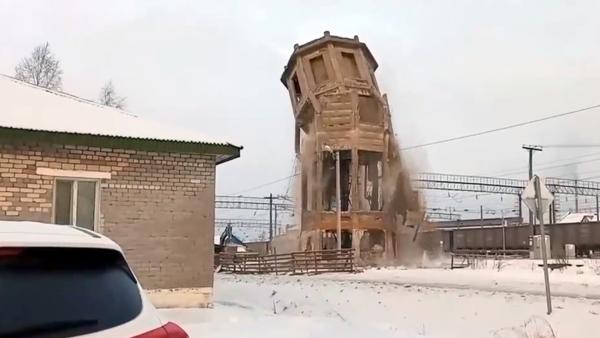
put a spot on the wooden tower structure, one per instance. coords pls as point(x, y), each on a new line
point(338, 106)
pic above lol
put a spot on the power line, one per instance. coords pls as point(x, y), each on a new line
point(571, 146)
point(578, 174)
point(570, 164)
point(289, 184)
point(511, 126)
point(290, 177)
point(264, 184)
point(554, 166)
point(522, 169)
point(456, 138)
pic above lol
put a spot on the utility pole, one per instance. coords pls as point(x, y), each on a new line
point(540, 212)
point(597, 209)
point(481, 214)
point(550, 213)
point(520, 209)
point(503, 233)
point(576, 198)
point(553, 210)
point(531, 149)
point(270, 218)
point(338, 197)
point(275, 224)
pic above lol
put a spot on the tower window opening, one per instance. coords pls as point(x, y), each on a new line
point(370, 180)
point(369, 110)
point(349, 66)
point(329, 178)
point(329, 239)
point(297, 90)
point(319, 72)
point(372, 244)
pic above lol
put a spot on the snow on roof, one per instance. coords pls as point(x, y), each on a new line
point(578, 217)
point(25, 106)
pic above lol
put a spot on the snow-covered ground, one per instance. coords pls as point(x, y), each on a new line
point(395, 302)
point(581, 279)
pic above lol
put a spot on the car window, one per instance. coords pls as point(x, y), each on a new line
point(58, 292)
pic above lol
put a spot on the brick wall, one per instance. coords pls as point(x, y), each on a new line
point(158, 206)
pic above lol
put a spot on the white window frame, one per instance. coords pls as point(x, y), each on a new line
point(73, 210)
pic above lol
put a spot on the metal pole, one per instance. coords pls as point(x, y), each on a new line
point(481, 214)
point(540, 212)
point(531, 149)
point(338, 196)
point(531, 216)
point(503, 234)
point(597, 209)
point(521, 209)
point(576, 198)
point(270, 218)
point(550, 212)
point(276, 226)
point(554, 210)
point(530, 163)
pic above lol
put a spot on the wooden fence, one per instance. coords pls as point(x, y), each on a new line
point(308, 262)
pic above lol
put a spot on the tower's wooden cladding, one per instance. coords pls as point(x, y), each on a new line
point(337, 104)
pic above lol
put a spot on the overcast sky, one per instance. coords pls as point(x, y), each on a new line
point(449, 67)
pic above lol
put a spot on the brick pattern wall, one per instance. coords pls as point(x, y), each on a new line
point(158, 206)
point(23, 194)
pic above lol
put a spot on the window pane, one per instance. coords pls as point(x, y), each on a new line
point(86, 202)
point(62, 202)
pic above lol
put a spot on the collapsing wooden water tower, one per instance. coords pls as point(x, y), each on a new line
point(338, 108)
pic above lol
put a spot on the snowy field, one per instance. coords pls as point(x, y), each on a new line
point(581, 279)
point(488, 301)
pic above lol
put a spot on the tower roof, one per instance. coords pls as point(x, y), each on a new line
point(317, 43)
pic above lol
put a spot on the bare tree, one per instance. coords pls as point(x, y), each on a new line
point(109, 97)
point(40, 69)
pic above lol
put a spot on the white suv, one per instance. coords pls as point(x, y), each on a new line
point(64, 281)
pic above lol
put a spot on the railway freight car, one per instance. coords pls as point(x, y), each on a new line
point(585, 237)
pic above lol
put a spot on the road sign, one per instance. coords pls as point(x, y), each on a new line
point(528, 196)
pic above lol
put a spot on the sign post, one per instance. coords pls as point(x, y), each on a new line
point(537, 198)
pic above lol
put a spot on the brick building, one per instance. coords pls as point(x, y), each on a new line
point(150, 188)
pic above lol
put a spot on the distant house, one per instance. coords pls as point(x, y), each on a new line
point(149, 187)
